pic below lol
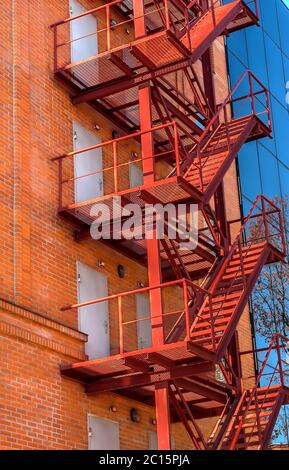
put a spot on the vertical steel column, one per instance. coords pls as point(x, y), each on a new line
point(153, 252)
point(209, 88)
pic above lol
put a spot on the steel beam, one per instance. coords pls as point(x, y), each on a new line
point(131, 381)
point(153, 251)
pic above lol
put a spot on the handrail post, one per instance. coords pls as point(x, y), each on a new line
point(55, 45)
point(212, 321)
point(167, 16)
point(242, 263)
point(251, 92)
point(188, 29)
point(279, 360)
point(267, 235)
point(227, 128)
point(115, 174)
point(186, 302)
point(120, 321)
point(60, 183)
point(199, 157)
point(108, 36)
point(213, 12)
point(177, 153)
point(257, 410)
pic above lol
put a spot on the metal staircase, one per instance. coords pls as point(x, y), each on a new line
point(176, 33)
point(252, 424)
point(184, 149)
point(216, 311)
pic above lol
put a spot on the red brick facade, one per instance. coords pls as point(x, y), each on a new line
point(39, 409)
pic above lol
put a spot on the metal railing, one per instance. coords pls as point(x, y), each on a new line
point(113, 28)
point(217, 134)
point(272, 374)
point(213, 5)
point(172, 144)
point(267, 226)
point(176, 297)
point(118, 155)
point(187, 304)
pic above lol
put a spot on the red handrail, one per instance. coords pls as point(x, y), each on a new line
point(221, 117)
point(185, 284)
point(242, 250)
point(163, 9)
point(274, 345)
point(202, 298)
point(176, 148)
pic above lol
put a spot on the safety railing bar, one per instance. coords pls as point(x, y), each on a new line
point(241, 420)
point(119, 139)
point(228, 100)
point(260, 404)
point(103, 7)
point(235, 246)
point(220, 108)
point(261, 374)
point(180, 282)
point(255, 216)
point(244, 97)
point(89, 12)
point(107, 7)
point(167, 314)
point(120, 165)
point(254, 351)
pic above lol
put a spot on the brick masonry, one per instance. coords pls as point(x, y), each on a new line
point(38, 408)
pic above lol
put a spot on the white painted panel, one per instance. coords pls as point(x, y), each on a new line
point(93, 319)
point(103, 434)
point(153, 440)
point(87, 163)
point(135, 175)
point(87, 47)
point(144, 329)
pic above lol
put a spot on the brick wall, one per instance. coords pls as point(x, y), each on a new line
point(40, 409)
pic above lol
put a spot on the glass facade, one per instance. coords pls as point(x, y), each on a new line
point(264, 165)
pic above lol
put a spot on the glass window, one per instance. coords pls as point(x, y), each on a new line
point(269, 173)
point(249, 171)
point(268, 11)
point(275, 70)
point(283, 20)
point(281, 130)
point(257, 54)
point(284, 177)
point(286, 3)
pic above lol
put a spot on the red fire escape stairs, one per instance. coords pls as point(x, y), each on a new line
point(255, 415)
point(196, 167)
point(198, 148)
point(177, 37)
point(198, 339)
point(209, 168)
point(215, 314)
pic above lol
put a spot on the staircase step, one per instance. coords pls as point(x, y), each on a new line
point(262, 414)
point(249, 435)
point(207, 332)
point(245, 445)
point(249, 425)
point(205, 25)
point(202, 327)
